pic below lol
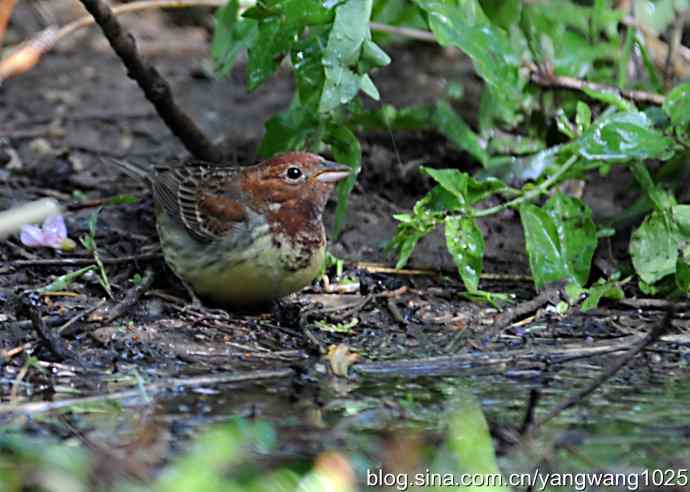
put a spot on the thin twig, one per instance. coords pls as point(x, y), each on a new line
point(133, 295)
point(83, 261)
point(63, 331)
point(54, 343)
point(155, 87)
point(551, 80)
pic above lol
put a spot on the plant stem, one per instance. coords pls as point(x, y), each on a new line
point(533, 193)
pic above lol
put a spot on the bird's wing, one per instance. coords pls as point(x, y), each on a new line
point(207, 201)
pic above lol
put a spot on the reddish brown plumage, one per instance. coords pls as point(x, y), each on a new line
point(249, 234)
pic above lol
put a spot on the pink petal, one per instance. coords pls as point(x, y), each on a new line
point(55, 229)
point(32, 236)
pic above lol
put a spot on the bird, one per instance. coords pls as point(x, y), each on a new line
point(243, 235)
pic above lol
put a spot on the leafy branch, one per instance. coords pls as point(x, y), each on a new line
point(525, 54)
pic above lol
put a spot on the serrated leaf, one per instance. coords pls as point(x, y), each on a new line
point(465, 244)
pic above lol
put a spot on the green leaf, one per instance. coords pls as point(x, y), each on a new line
point(293, 129)
point(274, 40)
point(583, 117)
point(663, 200)
point(230, 35)
point(621, 137)
point(503, 13)
point(463, 187)
point(677, 104)
point(346, 150)
point(63, 281)
point(612, 97)
point(654, 249)
point(560, 239)
point(350, 33)
point(683, 275)
point(123, 200)
point(465, 243)
point(602, 289)
point(463, 24)
point(306, 57)
point(457, 131)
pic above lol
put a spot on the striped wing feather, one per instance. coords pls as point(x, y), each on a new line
point(206, 201)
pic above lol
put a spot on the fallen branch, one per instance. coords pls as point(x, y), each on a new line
point(155, 88)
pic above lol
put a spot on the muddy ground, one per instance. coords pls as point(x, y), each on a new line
point(415, 334)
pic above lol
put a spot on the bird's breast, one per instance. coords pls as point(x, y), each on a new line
point(250, 266)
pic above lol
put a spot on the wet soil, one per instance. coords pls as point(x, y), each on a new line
point(420, 343)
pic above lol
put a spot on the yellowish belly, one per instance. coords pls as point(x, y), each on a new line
point(236, 276)
point(254, 281)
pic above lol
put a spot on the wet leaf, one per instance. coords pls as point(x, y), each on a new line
point(463, 24)
point(465, 244)
point(623, 137)
point(560, 240)
point(349, 34)
point(654, 249)
point(465, 188)
point(602, 289)
point(272, 43)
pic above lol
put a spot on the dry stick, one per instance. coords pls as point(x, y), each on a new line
point(550, 80)
point(63, 330)
point(83, 261)
point(231, 377)
point(651, 337)
point(54, 343)
point(133, 295)
point(155, 88)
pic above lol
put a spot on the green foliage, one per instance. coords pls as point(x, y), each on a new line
point(224, 458)
point(560, 239)
point(332, 54)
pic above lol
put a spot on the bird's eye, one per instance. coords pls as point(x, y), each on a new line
point(294, 173)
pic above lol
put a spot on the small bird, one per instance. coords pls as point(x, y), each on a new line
point(242, 236)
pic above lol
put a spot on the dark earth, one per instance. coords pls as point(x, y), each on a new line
point(419, 342)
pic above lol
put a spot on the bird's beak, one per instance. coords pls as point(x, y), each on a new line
point(332, 172)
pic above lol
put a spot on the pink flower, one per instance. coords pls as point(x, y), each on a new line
point(52, 234)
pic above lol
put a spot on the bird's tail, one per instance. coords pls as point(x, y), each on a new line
point(133, 169)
